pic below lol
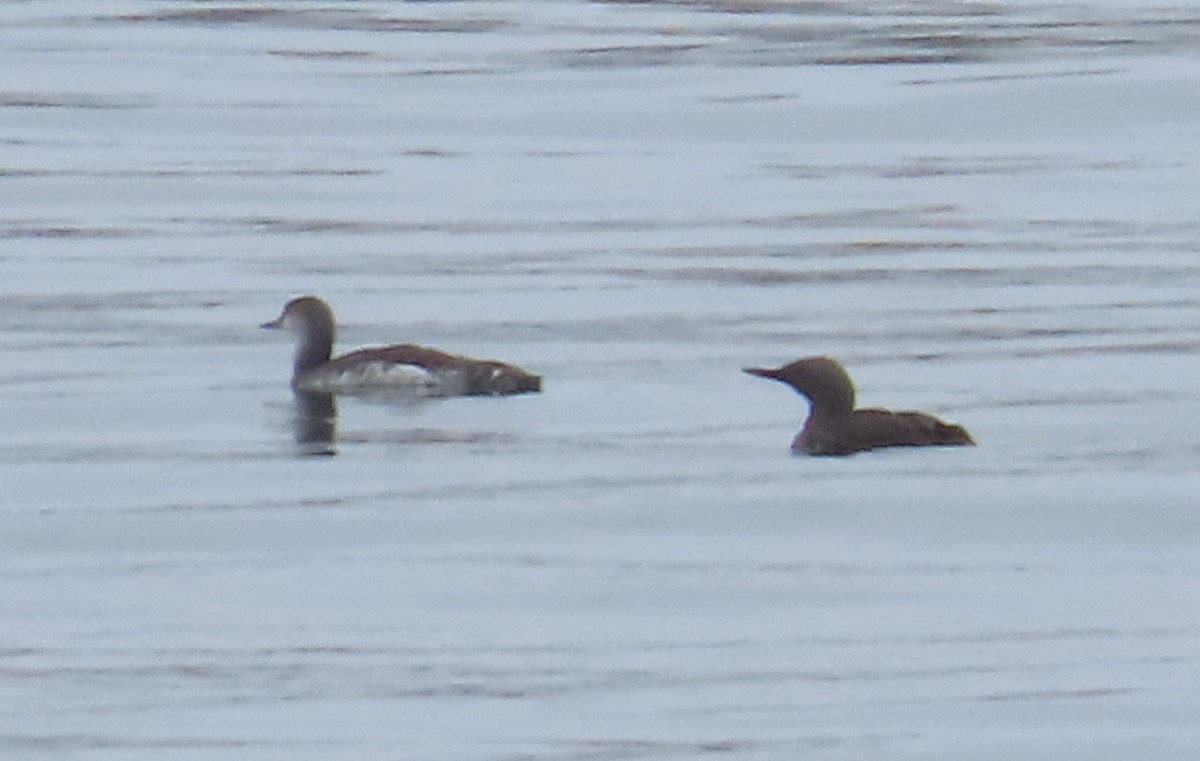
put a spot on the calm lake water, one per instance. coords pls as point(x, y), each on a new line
point(986, 210)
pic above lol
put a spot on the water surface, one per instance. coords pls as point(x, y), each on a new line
point(986, 211)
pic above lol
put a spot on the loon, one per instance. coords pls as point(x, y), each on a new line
point(834, 427)
point(405, 368)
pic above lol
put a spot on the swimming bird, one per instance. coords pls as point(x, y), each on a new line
point(405, 368)
point(834, 427)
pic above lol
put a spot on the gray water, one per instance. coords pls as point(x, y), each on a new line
point(985, 210)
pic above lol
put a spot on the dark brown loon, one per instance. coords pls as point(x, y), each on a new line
point(403, 368)
point(834, 427)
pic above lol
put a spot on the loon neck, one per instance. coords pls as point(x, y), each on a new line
point(315, 349)
point(830, 409)
point(830, 395)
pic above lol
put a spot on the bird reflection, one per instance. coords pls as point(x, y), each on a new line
point(315, 423)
